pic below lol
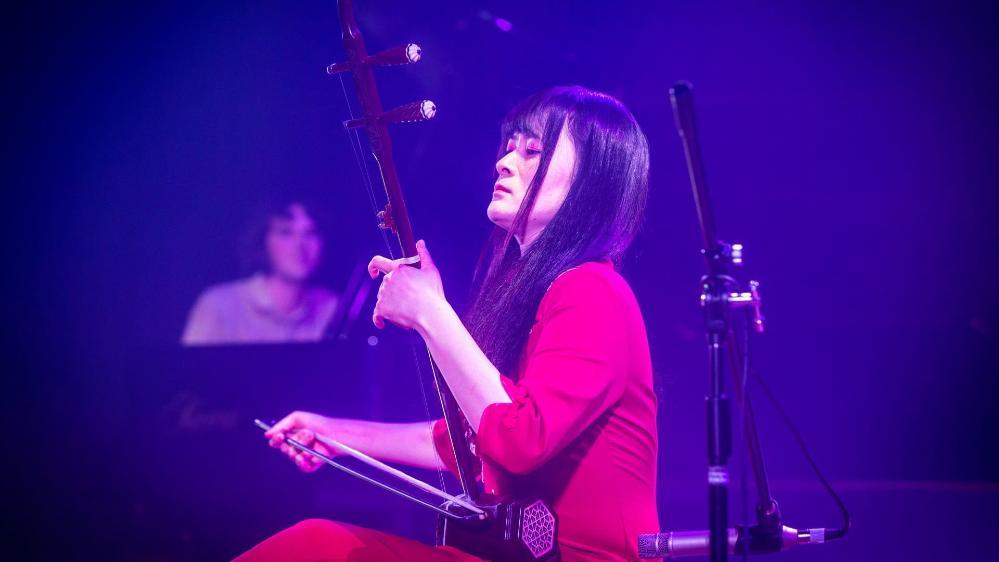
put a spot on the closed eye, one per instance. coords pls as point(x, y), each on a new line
point(532, 146)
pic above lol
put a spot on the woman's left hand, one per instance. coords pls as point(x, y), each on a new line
point(407, 294)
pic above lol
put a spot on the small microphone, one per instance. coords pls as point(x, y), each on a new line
point(756, 539)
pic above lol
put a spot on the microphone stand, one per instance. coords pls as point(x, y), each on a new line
point(720, 296)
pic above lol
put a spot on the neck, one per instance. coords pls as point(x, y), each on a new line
point(521, 243)
point(285, 294)
point(526, 239)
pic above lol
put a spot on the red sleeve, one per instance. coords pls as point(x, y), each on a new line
point(573, 374)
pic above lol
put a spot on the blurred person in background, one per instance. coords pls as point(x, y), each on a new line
point(276, 303)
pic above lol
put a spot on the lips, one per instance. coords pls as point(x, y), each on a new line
point(502, 188)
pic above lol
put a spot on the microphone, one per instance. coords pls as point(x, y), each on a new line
point(757, 539)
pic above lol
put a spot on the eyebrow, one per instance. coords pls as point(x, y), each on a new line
point(526, 135)
point(525, 132)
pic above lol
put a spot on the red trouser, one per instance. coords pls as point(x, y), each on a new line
point(313, 540)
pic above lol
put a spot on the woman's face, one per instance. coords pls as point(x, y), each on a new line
point(293, 245)
point(516, 171)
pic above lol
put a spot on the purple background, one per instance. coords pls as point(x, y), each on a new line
point(852, 147)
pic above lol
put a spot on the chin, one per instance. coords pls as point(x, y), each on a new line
point(499, 216)
point(294, 276)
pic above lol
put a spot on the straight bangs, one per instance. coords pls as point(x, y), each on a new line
point(542, 117)
point(533, 117)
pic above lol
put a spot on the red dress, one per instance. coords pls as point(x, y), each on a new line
point(580, 431)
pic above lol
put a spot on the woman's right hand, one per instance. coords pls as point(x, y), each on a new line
point(302, 427)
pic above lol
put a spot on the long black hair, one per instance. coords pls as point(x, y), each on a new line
point(598, 219)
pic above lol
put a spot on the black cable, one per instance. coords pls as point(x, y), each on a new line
point(831, 534)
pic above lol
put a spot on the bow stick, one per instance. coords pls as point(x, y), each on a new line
point(395, 217)
point(344, 449)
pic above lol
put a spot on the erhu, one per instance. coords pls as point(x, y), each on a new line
point(504, 531)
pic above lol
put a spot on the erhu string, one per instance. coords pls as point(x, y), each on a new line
point(357, 148)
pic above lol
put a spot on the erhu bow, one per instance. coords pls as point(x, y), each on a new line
point(506, 531)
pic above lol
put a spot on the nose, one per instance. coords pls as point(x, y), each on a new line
point(503, 167)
